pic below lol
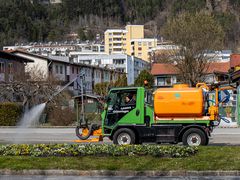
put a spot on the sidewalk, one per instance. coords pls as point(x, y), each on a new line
point(117, 173)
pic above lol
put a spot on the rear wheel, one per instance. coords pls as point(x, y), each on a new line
point(194, 137)
point(124, 136)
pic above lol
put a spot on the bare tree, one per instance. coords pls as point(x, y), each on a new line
point(30, 90)
point(195, 35)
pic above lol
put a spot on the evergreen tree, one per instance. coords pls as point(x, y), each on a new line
point(145, 78)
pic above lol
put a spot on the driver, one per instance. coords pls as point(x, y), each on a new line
point(129, 100)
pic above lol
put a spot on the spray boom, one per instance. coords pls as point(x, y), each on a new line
point(59, 91)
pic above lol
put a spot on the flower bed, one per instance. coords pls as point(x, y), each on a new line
point(66, 150)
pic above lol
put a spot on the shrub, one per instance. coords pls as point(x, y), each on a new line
point(46, 150)
point(59, 116)
point(9, 113)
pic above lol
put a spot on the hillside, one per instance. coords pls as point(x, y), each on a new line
point(23, 21)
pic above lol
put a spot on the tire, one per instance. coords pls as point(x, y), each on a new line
point(80, 136)
point(194, 137)
point(124, 136)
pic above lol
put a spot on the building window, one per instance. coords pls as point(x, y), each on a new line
point(72, 70)
point(110, 39)
point(77, 70)
point(56, 70)
point(117, 34)
point(139, 43)
point(2, 67)
point(118, 61)
point(149, 43)
point(10, 68)
point(140, 48)
point(120, 70)
point(98, 61)
point(139, 54)
point(164, 81)
point(61, 70)
point(117, 49)
point(144, 43)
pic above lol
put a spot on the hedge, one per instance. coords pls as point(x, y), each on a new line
point(9, 113)
point(46, 150)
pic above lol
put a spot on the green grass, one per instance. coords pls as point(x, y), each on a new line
point(208, 158)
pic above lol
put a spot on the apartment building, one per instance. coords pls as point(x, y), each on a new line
point(129, 41)
point(167, 49)
point(60, 49)
point(65, 70)
point(117, 62)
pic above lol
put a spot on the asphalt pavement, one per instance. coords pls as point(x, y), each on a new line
point(220, 136)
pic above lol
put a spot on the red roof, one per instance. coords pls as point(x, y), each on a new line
point(159, 68)
point(170, 69)
point(234, 60)
point(218, 67)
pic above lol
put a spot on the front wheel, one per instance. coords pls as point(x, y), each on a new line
point(124, 136)
point(194, 137)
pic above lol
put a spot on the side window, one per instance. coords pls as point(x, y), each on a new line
point(129, 98)
point(122, 99)
point(149, 97)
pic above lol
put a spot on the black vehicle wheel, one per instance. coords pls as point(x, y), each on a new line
point(124, 136)
point(80, 135)
point(194, 137)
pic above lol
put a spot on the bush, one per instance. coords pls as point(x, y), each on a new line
point(59, 116)
point(46, 150)
point(10, 113)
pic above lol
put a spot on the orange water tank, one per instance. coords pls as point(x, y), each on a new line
point(179, 101)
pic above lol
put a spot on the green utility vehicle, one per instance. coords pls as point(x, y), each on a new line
point(130, 117)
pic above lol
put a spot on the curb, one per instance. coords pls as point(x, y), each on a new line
point(117, 173)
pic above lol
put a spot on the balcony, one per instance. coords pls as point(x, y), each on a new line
point(117, 47)
point(117, 40)
point(117, 35)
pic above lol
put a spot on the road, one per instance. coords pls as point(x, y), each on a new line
point(220, 136)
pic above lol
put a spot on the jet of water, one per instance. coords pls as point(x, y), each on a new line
point(31, 116)
point(29, 119)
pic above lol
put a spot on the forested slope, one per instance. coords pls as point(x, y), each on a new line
point(23, 21)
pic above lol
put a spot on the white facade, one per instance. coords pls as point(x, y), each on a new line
point(220, 56)
point(119, 62)
point(40, 64)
